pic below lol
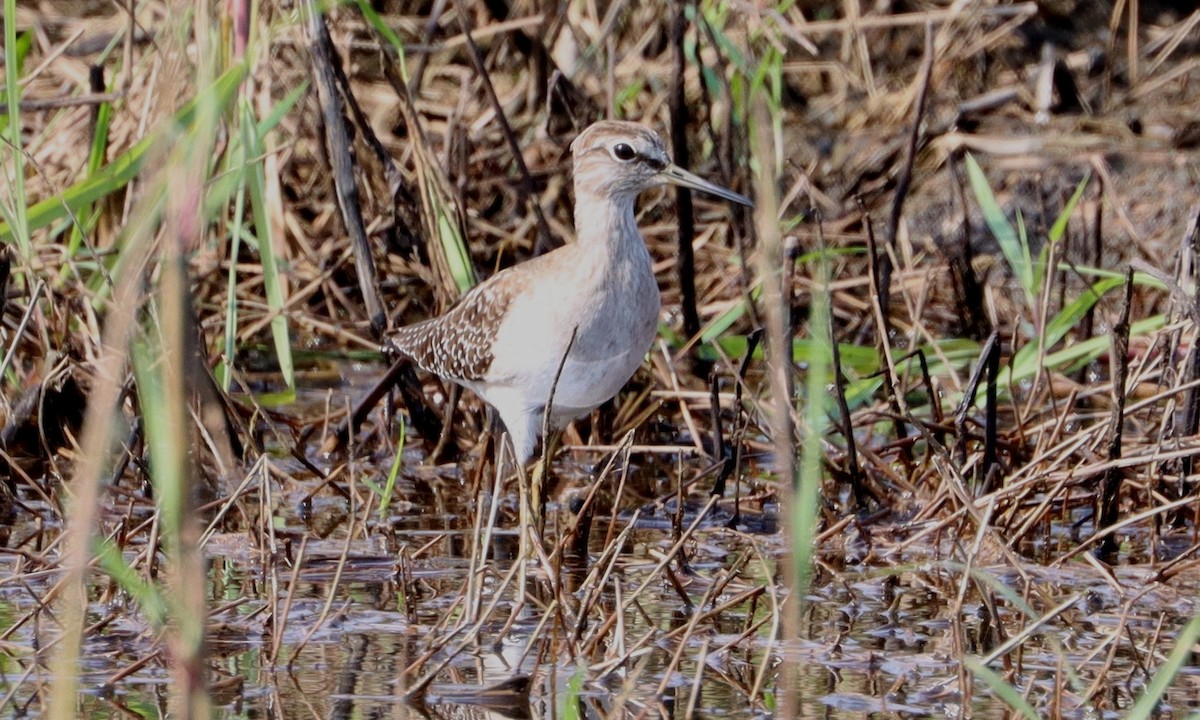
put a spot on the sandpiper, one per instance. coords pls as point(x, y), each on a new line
point(590, 308)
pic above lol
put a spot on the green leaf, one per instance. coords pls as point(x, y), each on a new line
point(1180, 656)
point(96, 154)
point(145, 594)
point(1060, 223)
point(1014, 250)
point(569, 710)
point(1024, 362)
point(1081, 353)
point(1008, 694)
point(234, 183)
point(272, 279)
point(721, 323)
point(393, 473)
point(14, 56)
point(444, 223)
point(279, 399)
point(169, 484)
point(281, 109)
point(860, 359)
point(126, 166)
point(225, 371)
point(453, 244)
point(385, 31)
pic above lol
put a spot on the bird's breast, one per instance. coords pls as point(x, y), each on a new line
point(611, 310)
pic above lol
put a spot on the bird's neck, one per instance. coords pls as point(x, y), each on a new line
point(606, 224)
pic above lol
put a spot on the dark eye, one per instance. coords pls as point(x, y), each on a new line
point(623, 151)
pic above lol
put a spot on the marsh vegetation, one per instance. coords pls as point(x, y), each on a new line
point(917, 436)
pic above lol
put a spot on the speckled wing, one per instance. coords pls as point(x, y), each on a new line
point(457, 345)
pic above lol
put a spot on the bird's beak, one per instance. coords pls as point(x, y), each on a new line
point(678, 176)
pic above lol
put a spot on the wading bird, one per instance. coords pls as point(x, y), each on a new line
point(585, 313)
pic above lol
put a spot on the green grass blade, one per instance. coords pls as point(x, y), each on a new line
point(441, 221)
point(1025, 360)
point(394, 472)
point(860, 359)
point(1059, 228)
point(169, 485)
point(718, 326)
point(715, 15)
point(126, 166)
point(22, 47)
point(1071, 357)
point(1180, 656)
point(17, 216)
point(225, 370)
point(233, 183)
point(147, 595)
point(389, 488)
point(817, 411)
point(458, 259)
point(382, 28)
point(1026, 256)
point(280, 111)
point(569, 710)
point(1014, 251)
point(1008, 694)
point(1139, 278)
point(222, 188)
point(95, 161)
point(272, 280)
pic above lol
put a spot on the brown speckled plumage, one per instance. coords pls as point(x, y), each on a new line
point(458, 344)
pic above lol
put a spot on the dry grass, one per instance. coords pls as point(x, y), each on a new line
point(1045, 528)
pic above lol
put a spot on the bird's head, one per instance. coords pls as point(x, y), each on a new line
point(619, 160)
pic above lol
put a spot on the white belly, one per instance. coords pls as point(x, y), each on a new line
point(608, 347)
point(586, 384)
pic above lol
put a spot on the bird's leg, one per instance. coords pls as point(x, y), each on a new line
point(537, 485)
point(551, 444)
point(537, 480)
point(537, 498)
point(453, 393)
point(532, 524)
point(401, 375)
point(524, 549)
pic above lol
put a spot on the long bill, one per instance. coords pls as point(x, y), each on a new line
point(678, 176)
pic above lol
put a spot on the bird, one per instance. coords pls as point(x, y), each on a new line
point(569, 328)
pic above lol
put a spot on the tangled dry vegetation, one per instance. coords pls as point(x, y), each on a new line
point(990, 208)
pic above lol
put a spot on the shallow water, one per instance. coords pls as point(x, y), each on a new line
point(358, 625)
point(873, 640)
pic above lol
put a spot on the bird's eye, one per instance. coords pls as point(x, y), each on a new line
point(622, 151)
